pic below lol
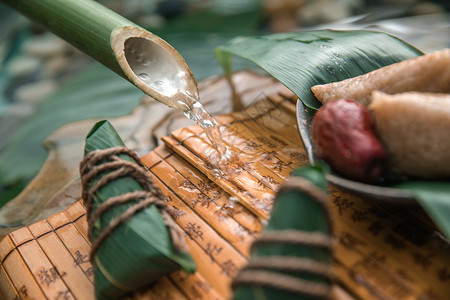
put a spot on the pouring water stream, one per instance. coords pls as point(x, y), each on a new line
point(163, 74)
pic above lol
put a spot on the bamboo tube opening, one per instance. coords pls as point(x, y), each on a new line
point(153, 65)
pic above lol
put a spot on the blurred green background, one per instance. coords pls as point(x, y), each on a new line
point(46, 83)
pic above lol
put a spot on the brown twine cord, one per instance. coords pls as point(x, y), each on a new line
point(291, 264)
point(281, 282)
point(118, 167)
point(89, 170)
point(260, 270)
point(115, 201)
point(294, 237)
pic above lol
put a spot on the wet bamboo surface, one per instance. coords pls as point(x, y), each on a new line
point(383, 251)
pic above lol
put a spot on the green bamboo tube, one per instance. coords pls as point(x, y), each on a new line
point(113, 41)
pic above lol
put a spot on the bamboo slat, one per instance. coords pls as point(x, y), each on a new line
point(18, 273)
point(246, 134)
point(381, 252)
point(7, 290)
point(194, 286)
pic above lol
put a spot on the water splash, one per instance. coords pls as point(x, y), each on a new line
point(156, 69)
point(197, 113)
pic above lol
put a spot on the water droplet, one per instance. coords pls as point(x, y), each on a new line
point(179, 75)
point(139, 56)
point(144, 76)
point(207, 124)
point(330, 70)
point(145, 62)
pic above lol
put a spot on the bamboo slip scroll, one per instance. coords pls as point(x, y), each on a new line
point(381, 253)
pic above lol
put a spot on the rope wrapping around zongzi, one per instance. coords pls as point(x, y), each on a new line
point(294, 264)
point(135, 242)
point(281, 281)
point(294, 237)
point(296, 273)
point(118, 167)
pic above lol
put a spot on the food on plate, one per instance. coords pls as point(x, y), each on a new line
point(427, 73)
point(409, 103)
point(415, 129)
point(344, 136)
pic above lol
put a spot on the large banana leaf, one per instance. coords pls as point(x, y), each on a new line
point(301, 60)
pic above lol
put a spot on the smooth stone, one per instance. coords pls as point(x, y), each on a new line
point(23, 65)
point(34, 92)
point(323, 11)
point(426, 8)
point(151, 21)
point(45, 45)
point(11, 119)
point(56, 64)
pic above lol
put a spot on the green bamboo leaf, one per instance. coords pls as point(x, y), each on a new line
point(301, 60)
point(434, 197)
point(139, 251)
point(293, 211)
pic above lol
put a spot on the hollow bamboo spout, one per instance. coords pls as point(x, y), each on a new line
point(137, 55)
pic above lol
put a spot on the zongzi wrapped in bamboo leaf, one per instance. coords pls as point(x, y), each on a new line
point(134, 242)
point(291, 259)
